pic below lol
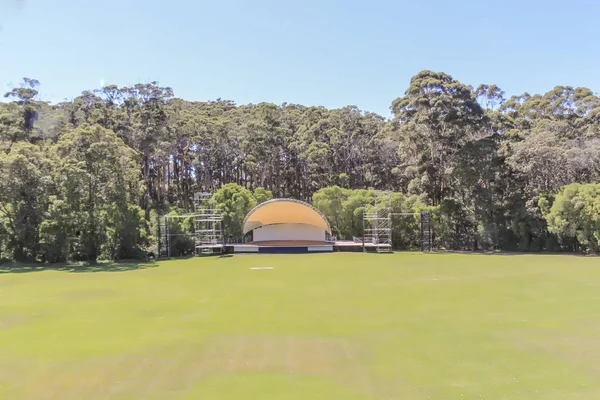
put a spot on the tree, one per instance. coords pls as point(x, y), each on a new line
point(236, 202)
point(25, 181)
point(406, 232)
point(261, 195)
point(479, 161)
point(575, 214)
point(25, 97)
point(99, 181)
point(330, 201)
point(548, 158)
point(435, 118)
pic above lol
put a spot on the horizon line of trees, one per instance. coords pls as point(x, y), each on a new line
point(86, 179)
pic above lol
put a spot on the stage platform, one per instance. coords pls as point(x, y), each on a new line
point(303, 247)
point(283, 247)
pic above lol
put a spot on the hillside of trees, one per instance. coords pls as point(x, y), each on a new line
point(87, 179)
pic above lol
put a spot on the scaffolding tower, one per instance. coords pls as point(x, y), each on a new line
point(207, 232)
point(377, 222)
point(426, 232)
point(164, 239)
point(208, 225)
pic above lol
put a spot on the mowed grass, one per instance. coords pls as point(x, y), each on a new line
point(330, 326)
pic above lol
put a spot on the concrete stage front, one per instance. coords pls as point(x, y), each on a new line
point(283, 247)
point(300, 247)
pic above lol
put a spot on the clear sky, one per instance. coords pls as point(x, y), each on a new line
point(313, 52)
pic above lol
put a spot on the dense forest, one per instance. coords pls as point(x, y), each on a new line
point(87, 179)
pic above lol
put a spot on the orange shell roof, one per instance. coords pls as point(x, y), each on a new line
point(285, 211)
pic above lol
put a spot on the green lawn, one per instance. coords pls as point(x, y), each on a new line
point(330, 326)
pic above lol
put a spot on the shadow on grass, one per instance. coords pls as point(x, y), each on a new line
point(17, 268)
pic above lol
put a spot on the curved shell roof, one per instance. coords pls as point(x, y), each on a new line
point(284, 211)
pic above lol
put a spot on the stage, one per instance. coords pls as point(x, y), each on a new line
point(301, 247)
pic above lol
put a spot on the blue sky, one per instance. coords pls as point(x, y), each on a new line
point(330, 53)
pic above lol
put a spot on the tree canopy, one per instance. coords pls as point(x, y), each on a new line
point(87, 178)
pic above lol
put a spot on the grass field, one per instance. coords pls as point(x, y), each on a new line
point(332, 326)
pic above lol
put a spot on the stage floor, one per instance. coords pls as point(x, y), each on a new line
point(283, 247)
point(299, 247)
point(287, 243)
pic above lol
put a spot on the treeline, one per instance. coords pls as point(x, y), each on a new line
point(86, 178)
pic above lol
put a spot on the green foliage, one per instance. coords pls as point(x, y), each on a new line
point(575, 214)
point(24, 181)
point(126, 234)
point(180, 229)
point(454, 225)
point(98, 178)
point(436, 118)
point(406, 232)
point(75, 175)
point(330, 201)
point(261, 195)
point(236, 202)
point(57, 244)
point(344, 208)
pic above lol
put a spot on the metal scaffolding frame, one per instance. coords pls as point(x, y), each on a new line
point(2, 237)
point(208, 225)
point(164, 242)
point(426, 229)
point(377, 224)
point(165, 236)
point(426, 232)
point(208, 234)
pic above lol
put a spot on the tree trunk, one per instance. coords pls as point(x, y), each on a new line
point(19, 252)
